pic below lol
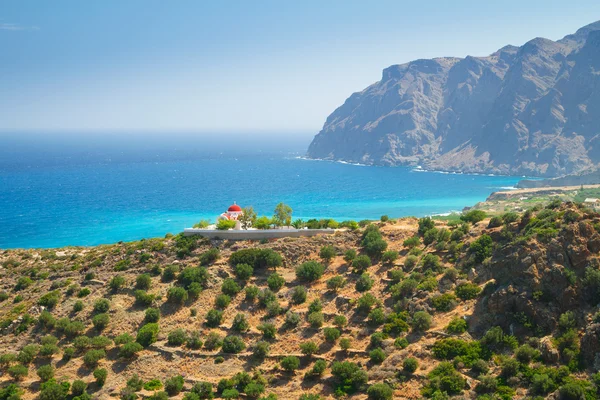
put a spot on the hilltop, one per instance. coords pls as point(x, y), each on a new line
point(502, 307)
point(522, 110)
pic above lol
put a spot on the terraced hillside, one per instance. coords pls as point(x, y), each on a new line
point(485, 308)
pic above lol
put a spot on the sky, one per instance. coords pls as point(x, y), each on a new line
point(235, 66)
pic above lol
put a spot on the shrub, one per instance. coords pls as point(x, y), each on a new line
point(49, 299)
point(177, 295)
point(177, 337)
point(567, 321)
point(457, 326)
point(364, 283)
point(331, 334)
point(410, 365)
point(213, 318)
point(153, 384)
point(421, 321)
point(47, 320)
point(147, 334)
point(240, 323)
point(361, 263)
point(230, 394)
point(444, 379)
point(152, 315)
point(28, 353)
point(315, 306)
point(299, 295)
point(225, 224)
point(350, 376)
point(233, 344)
point(257, 258)
point(18, 372)
point(366, 302)
point(143, 298)
point(100, 321)
point(23, 283)
point(101, 306)
point(327, 253)
point(251, 292)
point(45, 372)
point(315, 319)
point(135, 383)
point(209, 256)
point(449, 348)
point(193, 274)
point(377, 356)
point(345, 343)
point(159, 396)
point(174, 385)
point(340, 321)
point(349, 255)
point(78, 387)
point(495, 222)
point(310, 271)
point(268, 330)
point(290, 363)
point(261, 350)
point(376, 317)
point(244, 271)
point(222, 301)
point(380, 391)
point(117, 282)
point(169, 273)
point(193, 341)
point(372, 242)
point(444, 302)
point(335, 283)
point(481, 248)
point(292, 319)
point(129, 350)
point(467, 291)
point(473, 216)
point(230, 287)
point(526, 353)
point(309, 348)
point(92, 357)
point(213, 341)
point(389, 257)
point(275, 282)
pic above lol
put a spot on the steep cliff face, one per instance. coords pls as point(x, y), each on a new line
point(522, 110)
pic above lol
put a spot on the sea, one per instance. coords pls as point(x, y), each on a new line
point(83, 189)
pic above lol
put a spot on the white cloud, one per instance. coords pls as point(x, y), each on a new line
point(7, 26)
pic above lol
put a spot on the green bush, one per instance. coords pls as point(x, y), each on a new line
point(100, 321)
point(309, 348)
point(257, 258)
point(78, 387)
point(28, 353)
point(177, 337)
point(372, 242)
point(152, 315)
point(410, 365)
point(467, 291)
point(349, 255)
point(310, 271)
point(233, 344)
point(331, 334)
point(364, 282)
point(92, 357)
point(268, 330)
point(299, 294)
point(169, 273)
point(444, 302)
point(193, 274)
point(376, 317)
point(251, 292)
point(213, 341)
point(153, 384)
point(49, 299)
point(421, 321)
point(213, 318)
point(45, 372)
point(244, 271)
point(449, 348)
point(380, 391)
point(193, 341)
point(101, 306)
point(444, 379)
point(366, 302)
point(340, 321)
point(225, 224)
point(335, 283)
point(315, 319)
point(457, 326)
point(18, 372)
point(275, 282)
point(209, 256)
point(290, 363)
point(261, 350)
point(240, 323)
point(222, 301)
point(174, 385)
point(350, 377)
point(117, 282)
point(129, 350)
point(389, 257)
point(361, 263)
point(473, 216)
point(177, 295)
point(481, 248)
point(230, 287)
point(147, 334)
point(83, 292)
point(23, 283)
point(377, 356)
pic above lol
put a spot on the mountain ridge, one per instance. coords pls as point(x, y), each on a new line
point(525, 110)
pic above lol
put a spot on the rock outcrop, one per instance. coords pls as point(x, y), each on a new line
point(530, 110)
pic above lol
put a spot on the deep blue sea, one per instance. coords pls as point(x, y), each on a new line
point(68, 189)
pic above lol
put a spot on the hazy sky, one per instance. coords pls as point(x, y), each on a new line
point(235, 65)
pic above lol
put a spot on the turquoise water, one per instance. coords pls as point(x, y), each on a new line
point(87, 195)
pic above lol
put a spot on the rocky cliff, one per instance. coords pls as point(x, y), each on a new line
point(530, 110)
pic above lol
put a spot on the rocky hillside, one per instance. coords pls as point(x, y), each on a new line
point(487, 308)
point(530, 110)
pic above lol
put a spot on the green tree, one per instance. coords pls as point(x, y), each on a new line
point(248, 217)
point(282, 215)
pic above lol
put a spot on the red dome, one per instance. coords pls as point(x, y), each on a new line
point(234, 208)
